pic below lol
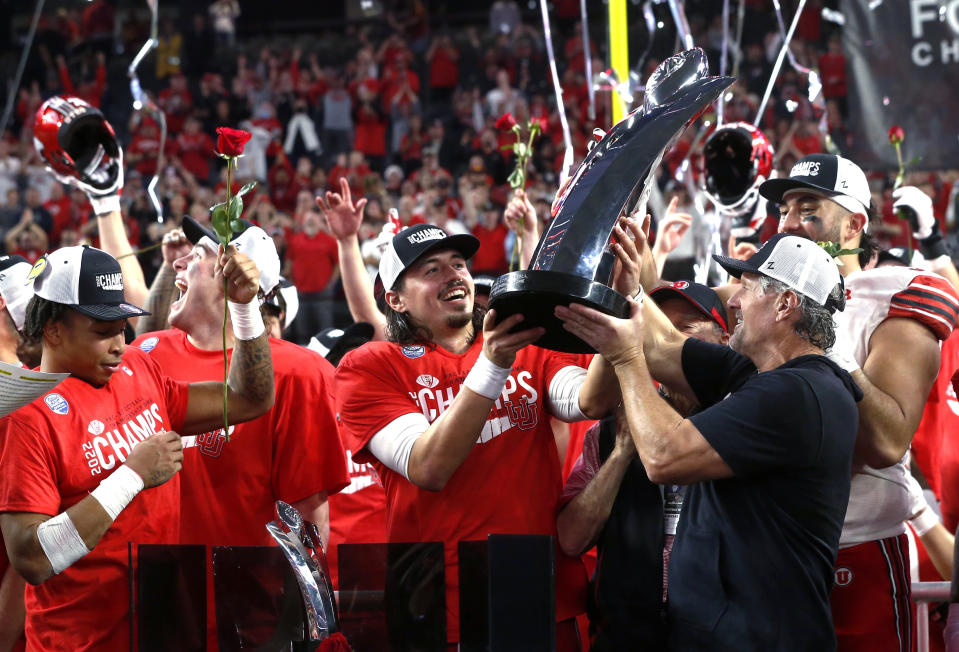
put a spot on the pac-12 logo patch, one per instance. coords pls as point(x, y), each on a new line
point(57, 403)
point(414, 352)
point(843, 576)
point(95, 428)
point(427, 381)
point(149, 344)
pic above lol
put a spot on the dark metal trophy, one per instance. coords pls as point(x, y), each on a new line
point(300, 542)
point(572, 262)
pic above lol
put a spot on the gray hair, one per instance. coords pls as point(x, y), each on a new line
point(815, 323)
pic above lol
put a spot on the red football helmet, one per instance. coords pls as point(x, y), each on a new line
point(737, 158)
point(78, 145)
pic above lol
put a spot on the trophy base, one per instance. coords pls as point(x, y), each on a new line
point(535, 293)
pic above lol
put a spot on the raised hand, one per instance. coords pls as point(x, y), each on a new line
point(157, 458)
point(343, 217)
point(239, 272)
point(174, 245)
point(628, 247)
point(617, 340)
point(672, 228)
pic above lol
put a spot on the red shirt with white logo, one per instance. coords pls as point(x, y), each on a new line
point(288, 454)
point(510, 482)
point(56, 450)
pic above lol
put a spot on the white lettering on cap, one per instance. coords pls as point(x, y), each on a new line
point(805, 169)
point(426, 235)
point(110, 281)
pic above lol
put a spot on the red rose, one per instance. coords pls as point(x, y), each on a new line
point(896, 134)
point(230, 142)
point(543, 123)
point(335, 643)
point(506, 122)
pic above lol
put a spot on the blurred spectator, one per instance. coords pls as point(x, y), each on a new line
point(224, 13)
point(169, 50)
point(194, 149)
point(301, 136)
point(90, 90)
point(832, 69)
point(370, 136)
point(311, 263)
point(176, 102)
point(504, 17)
point(442, 58)
point(502, 99)
point(9, 168)
point(26, 238)
point(337, 119)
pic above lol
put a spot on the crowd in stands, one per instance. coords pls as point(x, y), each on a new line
point(402, 107)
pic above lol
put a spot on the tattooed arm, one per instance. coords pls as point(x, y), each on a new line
point(250, 390)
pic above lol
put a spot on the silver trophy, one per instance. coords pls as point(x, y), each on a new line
point(300, 542)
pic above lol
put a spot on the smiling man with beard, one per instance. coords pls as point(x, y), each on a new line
point(455, 420)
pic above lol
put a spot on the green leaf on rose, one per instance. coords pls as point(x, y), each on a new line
point(835, 250)
point(221, 224)
point(235, 207)
point(521, 150)
point(247, 188)
point(237, 226)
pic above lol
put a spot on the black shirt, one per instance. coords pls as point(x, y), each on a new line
point(752, 565)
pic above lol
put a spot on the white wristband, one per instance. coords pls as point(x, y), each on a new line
point(924, 521)
point(61, 542)
point(487, 378)
point(247, 320)
point(116, 491)
point(104, 205)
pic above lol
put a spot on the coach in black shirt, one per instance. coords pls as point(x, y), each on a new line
point(768, 460)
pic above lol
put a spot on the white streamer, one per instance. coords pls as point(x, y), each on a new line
point(779, 61)
point(682, 25)
point(588, 57)
point(558, 90)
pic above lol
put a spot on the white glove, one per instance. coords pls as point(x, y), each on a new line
point(920, 203)
point(842, 352)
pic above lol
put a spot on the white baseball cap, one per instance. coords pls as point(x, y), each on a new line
point(801, 264)
point(253, 241)
point(408, 245)
point(85, 278)
point(825, 175)
point(14, 287)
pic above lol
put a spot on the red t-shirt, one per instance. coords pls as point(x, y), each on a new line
point(510, 482)
point(58, 449)
point(444, 69)
point(313, 260)
point(289, 453)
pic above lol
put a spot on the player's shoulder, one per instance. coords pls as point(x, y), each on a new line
point(147, 342)
point(382, 352)
point(925, 297)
